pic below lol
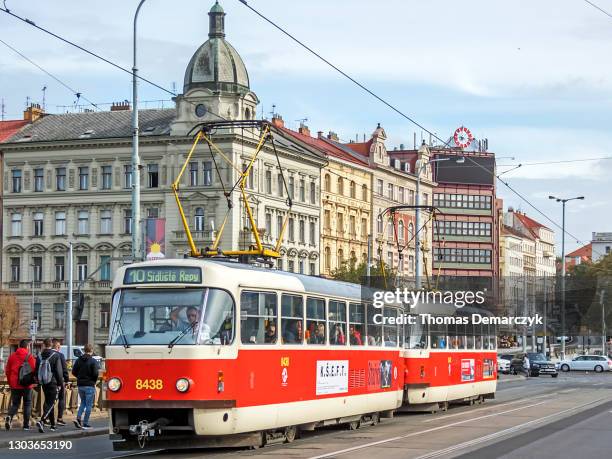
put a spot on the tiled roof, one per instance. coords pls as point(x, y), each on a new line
point(509, 230)
point(585, 252)
point(361, 147)
point(8, 128)
point(529, 222)
point(95, 125)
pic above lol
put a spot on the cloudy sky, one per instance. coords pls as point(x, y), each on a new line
point(532, 77)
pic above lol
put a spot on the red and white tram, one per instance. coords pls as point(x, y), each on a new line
point(206, 352)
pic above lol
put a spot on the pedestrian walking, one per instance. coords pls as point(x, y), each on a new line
point(20, 373)
point(51, 378)
point(86, 371)
point(61, 394)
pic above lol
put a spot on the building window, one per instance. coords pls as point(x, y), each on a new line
point(400, 230)
point(60, 223)
point(352, 226)
point(199, 219)
point(312, 233)
point(327, 182)
point(104, 315)
point(15, 269)
point(390, 191)
point(38, 223)
point(364, 193)
point(279, 225)
point(193, 173)
point(340, 258)
point(364, 227)
point(268, 182)
point(301, 266)
point(379, 224)
point(59, 269)
point(83, 178)
point(313, 193)
point(280, 183)
point(327, 259)
point(390, 259)
point(107, 177)
point(291, 229)
point(127, 221)
point(208, 177)
point(327, 219)
point(37, 269)
point(105, 268)
point(58, 316)
point(302, 231)
point(313, 269)
point(379, 187)
point(106, 222)
point(83, 222)
point(39, 179)
point(410, 232)
point(82, 268)
point(291, 187)
point(153, 175)
point(401, 196)
point(16, 226)
point(411, 197)
point(457, 255)
point(353, 190)
point(302, 191)
point(16, 180)
point(152, 212)
point(37, 313)
point(127, 176)
point(268, 224)
point(291, 266)
point(60, 179)
point(340, 186)
point(390, 229)
point(340, 223)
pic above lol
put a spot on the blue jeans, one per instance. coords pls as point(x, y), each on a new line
point(87, 395)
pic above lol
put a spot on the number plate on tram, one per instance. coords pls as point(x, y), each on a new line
point(163, 275)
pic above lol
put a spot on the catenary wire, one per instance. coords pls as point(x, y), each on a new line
point(598, 8)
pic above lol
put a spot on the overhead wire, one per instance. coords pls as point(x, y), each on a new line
point(77, 94)
point(598, 8)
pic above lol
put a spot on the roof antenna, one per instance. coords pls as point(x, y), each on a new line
point(44, 91)
point(2, 110)
point(273, 112)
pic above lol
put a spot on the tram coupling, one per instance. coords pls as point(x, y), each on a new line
point(145, 429)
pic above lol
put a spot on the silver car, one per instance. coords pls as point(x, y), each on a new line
point(596, 363)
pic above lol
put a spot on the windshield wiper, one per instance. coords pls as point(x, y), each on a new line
point(125, 343)
point(179, 336)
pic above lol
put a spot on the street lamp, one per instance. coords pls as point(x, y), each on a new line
point(563, 201)
point(417, 245)
point(135, 155)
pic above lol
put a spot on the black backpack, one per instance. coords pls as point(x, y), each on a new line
point(26, 373)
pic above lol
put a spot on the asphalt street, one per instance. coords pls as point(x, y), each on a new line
point(536, 418)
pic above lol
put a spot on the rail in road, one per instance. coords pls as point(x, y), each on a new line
point(486, 431)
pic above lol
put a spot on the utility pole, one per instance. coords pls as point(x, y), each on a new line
point(603, 322)
point(369, 262)
point(524, 340)
point(69, 312)
point(545, 311)
point(136, 254)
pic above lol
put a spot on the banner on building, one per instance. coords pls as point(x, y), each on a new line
point(155, 236)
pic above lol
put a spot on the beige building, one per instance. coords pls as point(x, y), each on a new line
point(67, 178)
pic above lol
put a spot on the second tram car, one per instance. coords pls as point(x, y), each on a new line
point(207, 352)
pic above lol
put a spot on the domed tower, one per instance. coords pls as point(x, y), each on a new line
point(216, 84)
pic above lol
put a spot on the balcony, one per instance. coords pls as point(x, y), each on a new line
point(206, 236)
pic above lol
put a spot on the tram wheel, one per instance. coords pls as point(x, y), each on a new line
point(354, 425)
point(375, 418)
point(444, 406)
point(290, 434)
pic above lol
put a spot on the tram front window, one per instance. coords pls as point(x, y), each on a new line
point(173, 316)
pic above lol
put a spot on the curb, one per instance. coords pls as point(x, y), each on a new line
point(60, 436)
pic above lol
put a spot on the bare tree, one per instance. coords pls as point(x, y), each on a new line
point(10, 321)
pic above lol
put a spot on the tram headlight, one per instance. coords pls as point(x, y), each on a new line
point(114, 384)
point(182, 384)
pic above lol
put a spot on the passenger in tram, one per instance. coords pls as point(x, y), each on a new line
point(355, 336)
point(338, 335)
point(371, 340)
point(293, 334)
point(270, 336)
point(173, 323)
point(319, 335)
point(442, 342)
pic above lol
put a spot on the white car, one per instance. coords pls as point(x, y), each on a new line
point(596, 363)
point(503, 366)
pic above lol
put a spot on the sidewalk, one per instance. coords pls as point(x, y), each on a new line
point(99, 424)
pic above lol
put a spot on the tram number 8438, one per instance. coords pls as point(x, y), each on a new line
point(150, 384)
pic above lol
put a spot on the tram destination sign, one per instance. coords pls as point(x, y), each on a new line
point(163, 275)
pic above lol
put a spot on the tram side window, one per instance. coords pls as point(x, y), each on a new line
point(390, 331)
point(337, 323)
point(469, 335)
point(438, 336)
point(457, 336)
point(357, 324)
point(416, 335)
point(479, 335)
point(292, 319)
point(374, 330)
point(315, 320)
point(218, 320)
point(258, 317)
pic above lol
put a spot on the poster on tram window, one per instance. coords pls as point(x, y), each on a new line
point(467, 370)
point(332, 376)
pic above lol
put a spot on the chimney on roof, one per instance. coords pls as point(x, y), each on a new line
point(333, 136)
point(401, 146)
point(319, 134)
point(33, 112)
point(120, 106)
point(304, 130)
point(277, 121)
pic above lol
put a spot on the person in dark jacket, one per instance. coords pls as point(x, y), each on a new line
point(50, 389)
point(61, 394)
point(86, 371)
point(18, 391)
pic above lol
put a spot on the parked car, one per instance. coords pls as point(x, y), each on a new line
point(77, 351)
point(503, 363)
point(538, 365)
point(596, 363)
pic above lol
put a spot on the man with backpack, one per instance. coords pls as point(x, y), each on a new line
point(86, 371)
point(61, 394)
point(20, 374)
point(51, 378)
